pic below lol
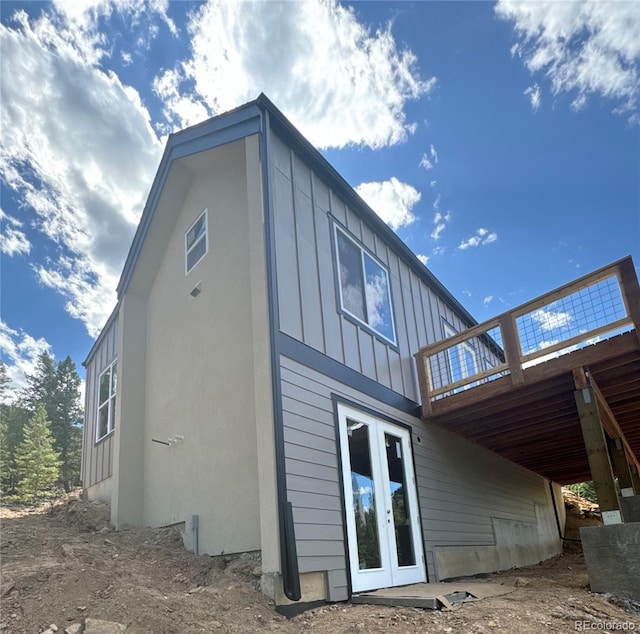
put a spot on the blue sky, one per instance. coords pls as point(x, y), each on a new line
point(499, 140)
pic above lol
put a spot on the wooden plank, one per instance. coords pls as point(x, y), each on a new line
point(568, 289)
point(620, 465)
point(616, 431)
point(594, 439)
point(512, 349)
point(635, 478)
point(582, 337)
point(630, 291)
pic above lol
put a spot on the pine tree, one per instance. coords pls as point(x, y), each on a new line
point(4, 382)
point(13, 420)
point(57, 387)
point(37, 461)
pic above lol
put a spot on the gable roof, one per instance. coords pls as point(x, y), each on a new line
point(250, 119)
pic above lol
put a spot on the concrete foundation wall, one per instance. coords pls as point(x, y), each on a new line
point(612, 555)
point(517, 544)
point(100, 492)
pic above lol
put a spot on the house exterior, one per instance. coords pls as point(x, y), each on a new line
point(255, 384)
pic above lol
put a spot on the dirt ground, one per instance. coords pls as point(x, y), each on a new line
point(64, 569)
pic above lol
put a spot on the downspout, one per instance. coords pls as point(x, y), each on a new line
point(288, 551)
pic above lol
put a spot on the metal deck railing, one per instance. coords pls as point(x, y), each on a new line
point(583, 312)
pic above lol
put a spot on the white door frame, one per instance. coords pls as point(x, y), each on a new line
point(390, 573)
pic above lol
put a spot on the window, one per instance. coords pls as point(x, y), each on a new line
point(196, 243)
point(107, 401)
point(364, 287)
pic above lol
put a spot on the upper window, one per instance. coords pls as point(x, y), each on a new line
point(364, 287)
point(196, 243)
point(107, 401)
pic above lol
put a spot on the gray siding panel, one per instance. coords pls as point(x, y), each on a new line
point(462, 489)
point(306, 209)
point(97, 458)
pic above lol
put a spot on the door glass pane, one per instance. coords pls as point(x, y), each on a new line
point(364, 506)
point(399, 501)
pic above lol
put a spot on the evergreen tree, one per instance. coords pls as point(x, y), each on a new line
point(57, 387)
point(4, 382)
point(13, 420)
point(37, 461)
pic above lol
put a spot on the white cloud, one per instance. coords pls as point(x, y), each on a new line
point(584, 48)
point(337, 80)
point(12, 240)
point(551, 320)
point(440, 220)
point(423, 258)
point(430, 160)
point(433, 183)
point(535, 96)
point(482, 237)
point(79, 152)
point(466, 293)
point(487, 300)
point(392, 200)
point(20, 352)
point(438, 250)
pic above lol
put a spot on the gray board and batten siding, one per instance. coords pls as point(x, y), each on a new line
point(465, 492)
point(468, 496)
point(305, 211)
point(97, 457)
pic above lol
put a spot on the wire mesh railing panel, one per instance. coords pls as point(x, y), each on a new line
point(462, 363)
point(571, 316)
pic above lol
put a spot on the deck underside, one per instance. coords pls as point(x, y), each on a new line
point(536, 424)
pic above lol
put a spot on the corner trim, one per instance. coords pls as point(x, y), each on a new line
point(286, 526)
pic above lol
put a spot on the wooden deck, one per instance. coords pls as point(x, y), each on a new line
point(520, 402)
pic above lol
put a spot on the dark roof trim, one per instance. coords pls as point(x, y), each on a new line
point(226, 128)
point(102, 335)
point(289, 133)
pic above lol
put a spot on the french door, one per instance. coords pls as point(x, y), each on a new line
point(383, 524)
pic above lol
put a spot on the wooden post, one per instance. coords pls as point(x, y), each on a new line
point(630, 291)
point(635, 478)
point(423, 383)
point(512, 350)
point(621, 466)
point(599, 462)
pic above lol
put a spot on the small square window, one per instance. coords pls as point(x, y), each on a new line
point(364, 287)
point(196, 241)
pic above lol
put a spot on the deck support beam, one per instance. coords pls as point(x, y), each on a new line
point(621, 466)
point(599, 462)
point(635, 479)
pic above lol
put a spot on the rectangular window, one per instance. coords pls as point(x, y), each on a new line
point(364, 287)
point(196, 241)
point(107, 385)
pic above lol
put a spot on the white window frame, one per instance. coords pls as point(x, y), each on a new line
point(187, 249)
point(109, 402)
point(363, 252)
